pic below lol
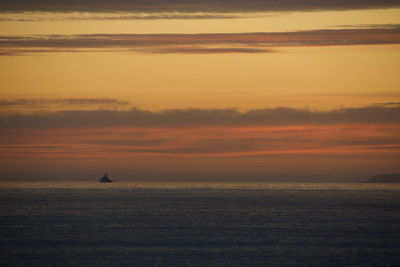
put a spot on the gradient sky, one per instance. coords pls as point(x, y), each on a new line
point(199, 90)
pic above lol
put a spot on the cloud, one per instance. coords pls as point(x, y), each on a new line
point(195, 43)
point(205, 142)
point(395, 104)
point(183, 118)
point(200, 133)
point(63, 101)
point(207, 50)
point(370, 26)
point(190, 5)
point(84, 16)
point(31, 105)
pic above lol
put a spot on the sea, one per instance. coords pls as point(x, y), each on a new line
point(199, 224)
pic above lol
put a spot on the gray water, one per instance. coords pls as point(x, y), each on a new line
point(199, 224)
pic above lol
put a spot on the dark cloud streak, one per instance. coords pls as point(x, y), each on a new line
point(62, 101)
point(120, 16)
point(387, 104)
point(194, 50)
point(370, 26)
point(191, 5)
point(195, 43)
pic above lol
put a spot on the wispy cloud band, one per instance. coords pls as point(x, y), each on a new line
point(60, 101)
point(31, 105)
point(191, 5)
point(37, 16)
point(195, 43)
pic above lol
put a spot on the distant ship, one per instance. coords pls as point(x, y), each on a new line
point(105, 179)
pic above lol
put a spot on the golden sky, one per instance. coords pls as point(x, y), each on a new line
point(200, 89)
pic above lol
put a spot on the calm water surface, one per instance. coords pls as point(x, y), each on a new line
point(199, 224)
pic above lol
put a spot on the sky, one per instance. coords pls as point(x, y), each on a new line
point(199, 90)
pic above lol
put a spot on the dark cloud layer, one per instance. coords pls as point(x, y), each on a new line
point(192, 5)
point(388, 104)
point(201, 117)
point(371, 26)
point(195, 43)
point(120, 16)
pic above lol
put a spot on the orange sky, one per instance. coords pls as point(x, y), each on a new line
point(225, 72)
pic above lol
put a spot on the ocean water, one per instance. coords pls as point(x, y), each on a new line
point(199, 224)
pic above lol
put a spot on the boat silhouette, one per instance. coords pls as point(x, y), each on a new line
point(105, 179)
